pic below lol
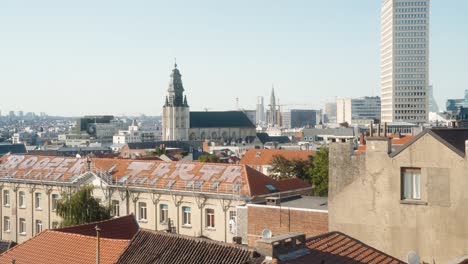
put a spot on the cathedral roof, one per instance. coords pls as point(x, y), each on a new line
point(219, 119)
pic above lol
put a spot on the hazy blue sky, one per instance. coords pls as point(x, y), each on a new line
point(115, 57)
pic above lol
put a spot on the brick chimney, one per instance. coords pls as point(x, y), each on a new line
point(283, 247)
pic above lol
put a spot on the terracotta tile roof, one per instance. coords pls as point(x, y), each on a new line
point(255, 157)
point(51, 246)
point(336, 247)
point(124, 227)
point(159, 247)
point(193, 176)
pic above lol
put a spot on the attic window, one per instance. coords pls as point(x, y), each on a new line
point(111, 169)
point(236, 187)
point(143, 180)
point(58, 176)
point(189, 184)
point(271, 188)
point(124, 179)
point(48, 174)
point(134, 180)
point(214, 185)
point(258, 154)
point(153, 181)
point(198, 184)
point(170, 184)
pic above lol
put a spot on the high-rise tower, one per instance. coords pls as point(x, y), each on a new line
point(272, 117)
point(405, 60)
point(176, 112)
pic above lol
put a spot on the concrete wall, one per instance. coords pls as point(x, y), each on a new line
point(365, 199)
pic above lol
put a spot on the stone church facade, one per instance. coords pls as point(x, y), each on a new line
point(219, 126)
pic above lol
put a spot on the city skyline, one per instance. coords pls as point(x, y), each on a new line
point(74, 59)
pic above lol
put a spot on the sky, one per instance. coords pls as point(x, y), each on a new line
point(73, 58)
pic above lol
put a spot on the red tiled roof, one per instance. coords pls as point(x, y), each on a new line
point(254, 157)
point(51, 246)
point(226, 178)
point(124, 227)
point(396, 141)
point(159, 247)
point(336, 248)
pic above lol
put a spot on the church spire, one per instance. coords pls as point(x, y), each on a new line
point(176, 89)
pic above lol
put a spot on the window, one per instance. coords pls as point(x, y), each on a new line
point(142, 211)
point(6, 224)
point(232, 222)
point(210, 218)
point(22, 200)
point(164, 211)
point(38, 226)
point(55, 225)
point(6, 198)
point(22, 226)
point(411, 183)
point(186, 216)
point(115, 208)
point(38, 200)
point(55, 198)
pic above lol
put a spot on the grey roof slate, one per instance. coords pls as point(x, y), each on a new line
point(220, 119)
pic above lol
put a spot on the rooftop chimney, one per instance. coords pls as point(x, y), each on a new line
point(385, 129)
point(273, 201)
point(283, 247)
point(98, 245)
point(371, 129)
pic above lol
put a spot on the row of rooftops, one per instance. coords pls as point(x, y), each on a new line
point(192, 176)
point(122, 241)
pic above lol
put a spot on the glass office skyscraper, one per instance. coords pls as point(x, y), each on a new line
point(405, 60)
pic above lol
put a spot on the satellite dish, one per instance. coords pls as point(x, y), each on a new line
point(413, 258)
point(266, 233)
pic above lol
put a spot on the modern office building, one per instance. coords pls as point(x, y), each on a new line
point(405, 60)
point(260, 115)
point(358, 110)
point(455, 104)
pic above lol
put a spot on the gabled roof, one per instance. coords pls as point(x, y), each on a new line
point(124, 227)
point(220, 119)
point(159, 247)
point(336, 247)
point(56, 247)
point(453, 138)
point(255, 157)
point(219, 178)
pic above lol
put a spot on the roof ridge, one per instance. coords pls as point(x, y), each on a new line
point(85, 236)
point(91, 223)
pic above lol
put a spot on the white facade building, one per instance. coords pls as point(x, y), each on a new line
point(405, 60)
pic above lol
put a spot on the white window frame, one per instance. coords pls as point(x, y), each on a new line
point(38, 200)
point(55, 198)
point(38, 226)
point(163, 213)
point(142, 211)
point(411, 184)
point(22, 200)
point(210, 218)
point(22, 226)
point(115, 208)
point(6, 198)
point(186, 216)
point(6, 224)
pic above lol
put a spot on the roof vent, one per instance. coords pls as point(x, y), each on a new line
point(273, 201)
point(258, 154)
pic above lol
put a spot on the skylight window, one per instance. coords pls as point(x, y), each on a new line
point(134, 180)
point(143, 180)
point(111, 169)
point(271, 188)
point(48, 174)
point(189, 184)
point(58, 176)
point(236, 187)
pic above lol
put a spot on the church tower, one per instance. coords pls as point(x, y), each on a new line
point(176, 112)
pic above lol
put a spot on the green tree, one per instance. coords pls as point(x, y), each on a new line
point(319, 172)
point(210, 158)
point(283, 168)
point(81, 207)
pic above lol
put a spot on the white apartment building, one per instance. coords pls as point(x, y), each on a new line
point(195, 199)
point(405, 60)
point(131, 135)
